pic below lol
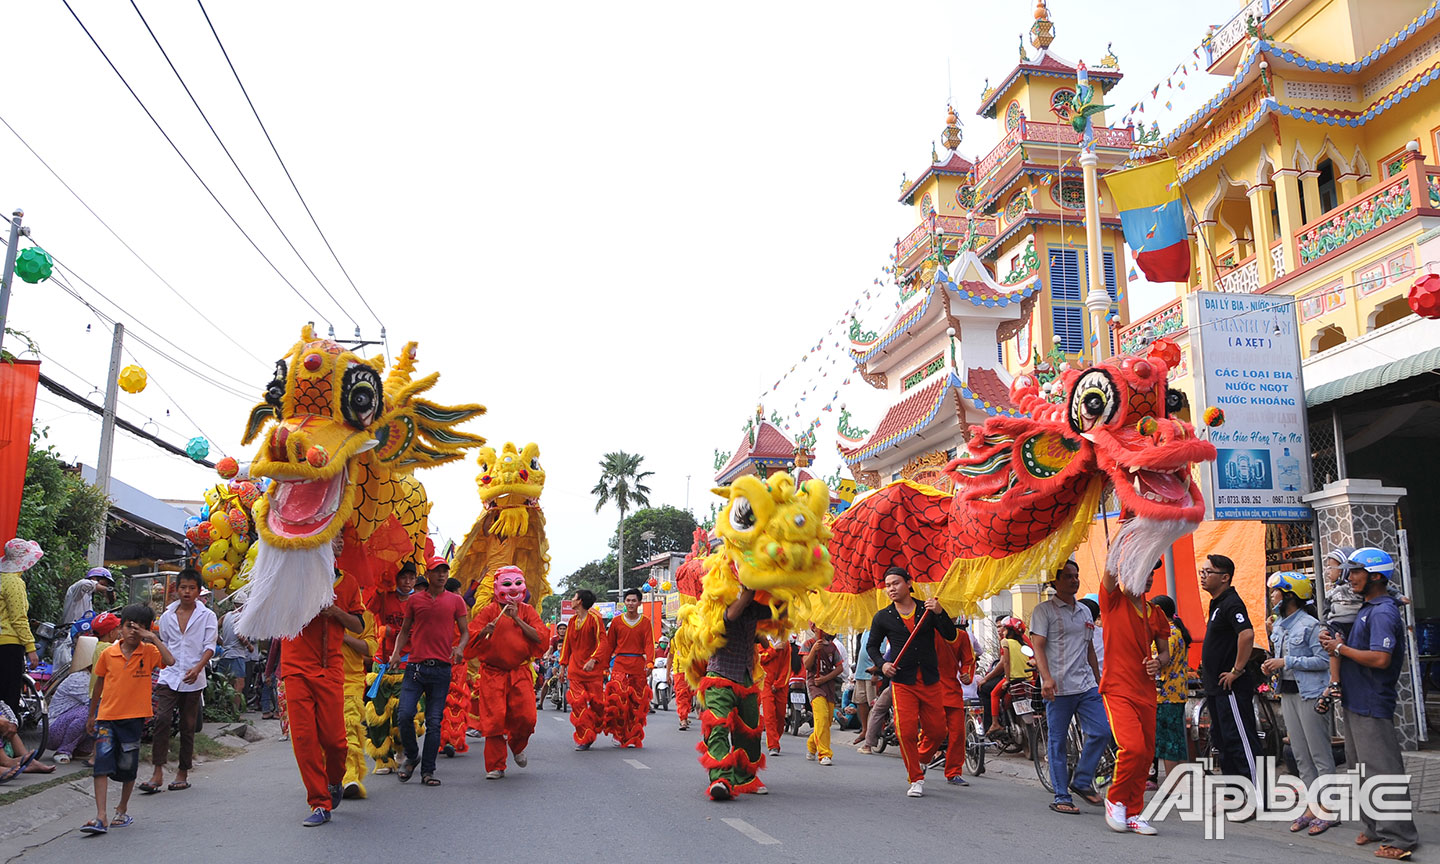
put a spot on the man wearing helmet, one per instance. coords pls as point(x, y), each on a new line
point(1370, 662)
point(1301, 665)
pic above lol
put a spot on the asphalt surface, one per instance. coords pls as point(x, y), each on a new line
point(642, 805)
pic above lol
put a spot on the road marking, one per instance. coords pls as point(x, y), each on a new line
point(558, 719)
point(752, 832)
point(638, 765)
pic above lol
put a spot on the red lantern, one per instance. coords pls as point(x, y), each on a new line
point(1166, 352)
point(1425, 296)
point(652, 582)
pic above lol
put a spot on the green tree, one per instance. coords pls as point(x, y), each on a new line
point(64, 514)
point(592, 577)
point(671, 530)
point(621, 481)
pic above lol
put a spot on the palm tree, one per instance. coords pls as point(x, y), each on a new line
point(621, 480)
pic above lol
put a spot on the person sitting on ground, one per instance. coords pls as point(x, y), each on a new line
point(23, 760)
point(70, 704)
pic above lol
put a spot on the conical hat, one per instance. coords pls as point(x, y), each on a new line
point(84, 656)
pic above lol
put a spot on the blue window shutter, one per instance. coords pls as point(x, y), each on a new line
point(1069, 324)
point(1000, 352)
point(1110, 284)
point(1065, 275)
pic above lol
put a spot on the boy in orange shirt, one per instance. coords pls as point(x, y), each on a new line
point(119, 707)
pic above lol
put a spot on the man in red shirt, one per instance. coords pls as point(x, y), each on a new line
point(313, 670)
point(627, 699)
point(389, 611)
point(506, 636)
point(430, 632)
point(587, 687)
point(1127, 685)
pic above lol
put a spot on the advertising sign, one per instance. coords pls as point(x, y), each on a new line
point(1247, 364)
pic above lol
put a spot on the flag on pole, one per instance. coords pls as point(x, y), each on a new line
point(1148, 198)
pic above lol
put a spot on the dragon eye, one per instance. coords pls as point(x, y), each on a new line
point(534, 464)
point(1175, 401)
point(1093, 401)
point(360, 396)
point(742, 515)
point(275, 390)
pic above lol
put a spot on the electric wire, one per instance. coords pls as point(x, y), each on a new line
point(176, 148)
point(153, 380)
point(293, 185)
point(228, 155)
point(128, 247)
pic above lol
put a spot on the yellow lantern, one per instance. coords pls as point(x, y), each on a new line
point(133, 379)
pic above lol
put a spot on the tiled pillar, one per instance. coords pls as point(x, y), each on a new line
point(1359, 512)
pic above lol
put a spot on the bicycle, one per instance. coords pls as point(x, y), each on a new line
point(1074, 743)
point(35, 711)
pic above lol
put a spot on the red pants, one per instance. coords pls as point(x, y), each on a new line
point(774, 705)
point(1132, 722)
point(997, 698)
point(919, 711)
point(955, 735)
point(683, 695)
point(317, 730)
point(507, 711)
point(627, 706)
point(587, 702)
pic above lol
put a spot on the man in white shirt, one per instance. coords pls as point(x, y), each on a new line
point(189, 630)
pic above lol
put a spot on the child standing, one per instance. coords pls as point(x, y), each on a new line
point(119, 707)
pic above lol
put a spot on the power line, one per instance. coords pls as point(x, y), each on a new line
point(127, 246)
point(176, 403)
point(228, 155)
point(286, 169)
point(66, 393)
point(173, 146)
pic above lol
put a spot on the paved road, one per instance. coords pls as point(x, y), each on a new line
point(641, 805)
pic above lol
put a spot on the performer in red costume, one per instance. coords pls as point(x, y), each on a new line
point(314, 674)
point(587, 688)
point(627, 698)
point(506, 636)
point(951, 657)
point(775, 659)
point(683, 697)
point(1132, 626)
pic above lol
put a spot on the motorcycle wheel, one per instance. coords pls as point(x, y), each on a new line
point(34, 714)
point(974, 747)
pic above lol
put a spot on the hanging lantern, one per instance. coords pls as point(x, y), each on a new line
point(133, 379)
point(227, 467)
point(198, 448)
point(34, 265)
point(1425, 296)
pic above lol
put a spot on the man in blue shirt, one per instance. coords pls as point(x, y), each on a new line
point(1370, 664)
point(865, 692)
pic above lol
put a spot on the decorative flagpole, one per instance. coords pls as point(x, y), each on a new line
point(1097, 301)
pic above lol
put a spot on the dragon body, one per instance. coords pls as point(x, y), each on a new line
point(1028, 489)
point(511, 525)
point(341, 450)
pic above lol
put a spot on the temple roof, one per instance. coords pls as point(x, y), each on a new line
point(913, 414)
point(771, 449)
point(955, 166)
point(1047, 65)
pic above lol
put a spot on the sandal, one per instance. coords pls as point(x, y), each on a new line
point(10, 773)
point(429, 780)
point(178, 785)
point(94, 826)
point(1303, 821)
point(1328, 698)
point(148, 788)
point(1065, 807)
point(1090, 796)
point(1363, 839)
point(406, 772)
point(1393, 853)
point(1320, 826)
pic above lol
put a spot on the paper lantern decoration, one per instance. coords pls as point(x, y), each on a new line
point(652, 581)
point(665, 586)
point(1425, 296)
point(198, 448)
point(227, 467)
point(1214, 417)
point(133, 379)
point(1167, 352)
point(34, 265)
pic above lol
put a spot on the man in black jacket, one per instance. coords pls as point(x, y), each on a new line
point(919, 703)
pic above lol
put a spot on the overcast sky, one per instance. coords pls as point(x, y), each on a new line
point(615, 225)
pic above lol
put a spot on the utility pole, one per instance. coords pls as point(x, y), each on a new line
point(9, 275)
point(107, 436)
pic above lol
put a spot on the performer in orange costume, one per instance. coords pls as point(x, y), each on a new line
point(683, 696)
point(1127, 685)
point(774, 690)
point(587, 688)
point(506, 636)
point(314, 674)
point(627, 698)
point(955, 659)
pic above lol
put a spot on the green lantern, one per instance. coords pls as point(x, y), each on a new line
point(34, 265)
point(198, 448)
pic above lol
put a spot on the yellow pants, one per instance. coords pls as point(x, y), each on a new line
point(819, 740)
point(355, 767)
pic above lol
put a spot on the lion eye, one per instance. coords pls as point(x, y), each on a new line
point(742, 515)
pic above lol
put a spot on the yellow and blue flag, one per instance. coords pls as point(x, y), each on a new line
point(1148, 198)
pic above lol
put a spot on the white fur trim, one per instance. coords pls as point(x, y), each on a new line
point(1138, 545)
point(288, 588)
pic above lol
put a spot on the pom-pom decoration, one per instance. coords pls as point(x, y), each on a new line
point(1166, 352)
point(317, 457)
point(197, 448)
point(227, 468)
point(1424, 296)
point(1147, 426)
point(34, 265)
point(133, 379)
point(1214, 417)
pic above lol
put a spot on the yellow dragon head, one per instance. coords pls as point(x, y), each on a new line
point(775, 544)
point(343, 443)
point(511, 482)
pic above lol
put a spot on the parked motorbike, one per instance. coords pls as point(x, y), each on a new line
point(661, 691)
point(800, 713)
point(1020, 714)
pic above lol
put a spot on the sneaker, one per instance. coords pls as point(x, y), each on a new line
point(495, 775)
point(810, 756)
point(937, 762)
point(472, 733)
point(319, 816)
point(760, 790)
point(582, 746)
point(773, 751)
point(521, 759)
point(720, 791)
point(351, 791)
point(1139, 826)
point(121, 820)
point(826, 760)
point(916, 790)
point(957, 781)
point(864, 748)
point(1115, 816)
point(383, 770)
point(336, 793)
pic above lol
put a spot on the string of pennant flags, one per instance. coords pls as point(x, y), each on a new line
point(1174, 81)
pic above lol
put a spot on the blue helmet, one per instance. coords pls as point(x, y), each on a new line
point(1374, 560)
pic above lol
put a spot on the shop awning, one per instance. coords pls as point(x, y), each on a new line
point(1374, 377)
